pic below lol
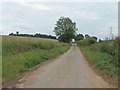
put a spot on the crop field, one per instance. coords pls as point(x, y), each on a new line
point(19, 54)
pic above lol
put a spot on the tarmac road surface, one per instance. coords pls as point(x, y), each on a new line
point(69, 70)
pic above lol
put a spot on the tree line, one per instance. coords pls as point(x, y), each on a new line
point(38, 35)
point(66, 30)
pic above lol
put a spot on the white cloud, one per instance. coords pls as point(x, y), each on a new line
point(113, 23)
point(35, 6)
point(6, 29)
point(89, 15)
point(105, 30)
point(92, 18)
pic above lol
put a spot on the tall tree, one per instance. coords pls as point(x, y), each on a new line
point(94, 37)
point(79, 37)
point(17, 33)
point(65, 29)
point(87, 36)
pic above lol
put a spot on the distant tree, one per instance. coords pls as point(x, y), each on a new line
point(65, 29)
point(87, 41)
point(91, 40)
point(87, 36)
point(51, 37)
point(17, 33)
point(100, 40)
point(11, 34)
point(79, 37)
point(106, 39)
point(64, 38)
point(94, 37)
point(38, 35)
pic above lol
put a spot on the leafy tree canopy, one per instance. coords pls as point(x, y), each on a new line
point(65, 29)
point(79, 37)
point(87, 36)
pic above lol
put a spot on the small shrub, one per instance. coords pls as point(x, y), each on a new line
point(87, 42)
point(104, 47)
point(117, 41)
point(95, 47)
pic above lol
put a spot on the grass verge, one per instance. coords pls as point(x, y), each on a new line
point(20, 54)
point(100, 62)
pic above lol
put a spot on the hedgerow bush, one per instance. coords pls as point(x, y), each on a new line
point(87, 42)
point(105, 56)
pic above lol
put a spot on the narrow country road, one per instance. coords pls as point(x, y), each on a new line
point(69, 70)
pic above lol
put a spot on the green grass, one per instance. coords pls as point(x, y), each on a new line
point(102, 62)
point(22, 53)
point(13, 44)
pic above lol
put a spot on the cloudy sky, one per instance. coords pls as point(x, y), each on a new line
point(93, 18)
